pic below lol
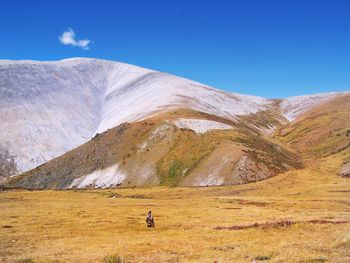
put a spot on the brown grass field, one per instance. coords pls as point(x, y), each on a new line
point(299, 216)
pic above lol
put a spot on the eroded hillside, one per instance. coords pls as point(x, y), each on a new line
point(174, 148)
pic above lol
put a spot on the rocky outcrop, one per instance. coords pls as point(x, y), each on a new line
point(345, 170)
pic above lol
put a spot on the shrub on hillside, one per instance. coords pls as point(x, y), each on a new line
point(113, 259)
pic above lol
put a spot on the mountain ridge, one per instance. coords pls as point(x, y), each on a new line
point(49, 108)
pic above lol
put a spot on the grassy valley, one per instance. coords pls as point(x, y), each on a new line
point(298, 216)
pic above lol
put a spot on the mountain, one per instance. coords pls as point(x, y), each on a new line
point(48, 108)
point(131, 126)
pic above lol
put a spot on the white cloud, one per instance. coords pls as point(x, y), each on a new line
point(69, 38)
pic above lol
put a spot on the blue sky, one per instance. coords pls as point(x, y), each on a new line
point(268, 48)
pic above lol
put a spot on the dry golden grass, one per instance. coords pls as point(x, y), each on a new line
point(192, 224)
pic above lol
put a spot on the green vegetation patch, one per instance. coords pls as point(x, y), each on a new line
point(187, 152)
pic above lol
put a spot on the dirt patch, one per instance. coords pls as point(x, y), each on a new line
point(247, 202)
point(324, 221)
point(7, 226)
point(138, 196)
point(340, 191)
point(314, 260)
point(279, 224)
point(282, 223)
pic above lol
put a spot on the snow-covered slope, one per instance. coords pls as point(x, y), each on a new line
point(134, 93)
point(292, 107)
point(46, 108)
point(49, 108)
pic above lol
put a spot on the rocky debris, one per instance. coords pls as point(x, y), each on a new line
point(122, 128)
point(8, 166)
point(345, 170)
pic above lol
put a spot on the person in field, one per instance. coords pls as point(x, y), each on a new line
point(150, 219)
